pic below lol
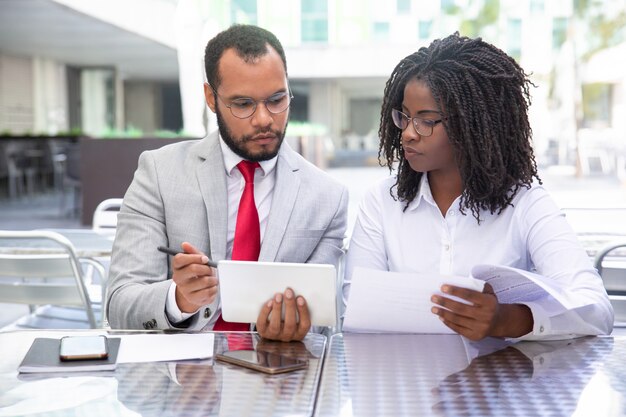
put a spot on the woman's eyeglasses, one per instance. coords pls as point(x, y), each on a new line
point(423, 127)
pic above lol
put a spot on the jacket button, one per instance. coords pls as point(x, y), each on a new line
point(207, 313)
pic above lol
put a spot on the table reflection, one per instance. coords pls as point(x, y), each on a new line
point(183, 388)
point(162, 389)
point(446, 375)
point(547, 377)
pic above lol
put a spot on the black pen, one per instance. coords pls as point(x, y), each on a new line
point(174, 252)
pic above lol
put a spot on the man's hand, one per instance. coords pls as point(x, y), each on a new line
point(270, 325)
point(196, 283)
point(484, 317)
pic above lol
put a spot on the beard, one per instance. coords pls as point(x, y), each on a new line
point(237, 145)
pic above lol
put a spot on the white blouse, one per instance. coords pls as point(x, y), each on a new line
point(532, 235)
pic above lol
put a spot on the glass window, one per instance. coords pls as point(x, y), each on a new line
point(448, 6)
point(596, 105)
point(314, 15)
point(404, 6)
point(380, 30)
point(243, 11)
point(536, 6)
point(424, 29)
point(514, 38)
point(559, 31)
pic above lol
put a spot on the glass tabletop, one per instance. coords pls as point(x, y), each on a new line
point(445, 375)
point(183, 388)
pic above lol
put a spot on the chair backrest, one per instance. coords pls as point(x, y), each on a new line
point(611, 265)
point(105, 214)
point(38, 279)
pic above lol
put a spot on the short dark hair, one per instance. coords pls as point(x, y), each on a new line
point(485, 96)
point(250, 42)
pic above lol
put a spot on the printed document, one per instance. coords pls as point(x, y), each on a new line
point(512, 285)
point(382, 301)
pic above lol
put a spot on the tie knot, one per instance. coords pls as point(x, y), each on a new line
point(247, 170)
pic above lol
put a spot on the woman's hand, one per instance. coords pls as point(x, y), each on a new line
point(484, 316)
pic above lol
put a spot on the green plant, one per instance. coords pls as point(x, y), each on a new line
point(305, 129)
point(166, 134)
point(129, 132)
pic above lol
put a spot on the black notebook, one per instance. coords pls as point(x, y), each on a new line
point(43, 356)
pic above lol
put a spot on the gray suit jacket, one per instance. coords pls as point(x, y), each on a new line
point(178, 194)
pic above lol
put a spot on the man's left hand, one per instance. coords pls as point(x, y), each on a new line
point(294, 326)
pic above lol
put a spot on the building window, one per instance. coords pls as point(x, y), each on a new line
point(243, 11)
point(596, 105)
point(404, 6)
point(514, 38)
point(424, 29)
point(448, 6)
point(559, 31)
point(536, 6)
point(380, 31)
point(314, 15)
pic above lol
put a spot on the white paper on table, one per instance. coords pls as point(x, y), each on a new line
point(382, 301)
point(164, 347)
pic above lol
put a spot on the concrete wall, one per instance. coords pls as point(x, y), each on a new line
point(17, 107)
point(142, 102)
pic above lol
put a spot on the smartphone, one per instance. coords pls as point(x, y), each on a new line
point(270, 363)
point(75, 348)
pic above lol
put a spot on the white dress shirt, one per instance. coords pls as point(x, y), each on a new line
point(532, 235)
point(264, 180)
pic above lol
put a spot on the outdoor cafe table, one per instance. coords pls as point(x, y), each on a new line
point(444, 375)
point(87, 243)
point(184, 388)
point(362, 375)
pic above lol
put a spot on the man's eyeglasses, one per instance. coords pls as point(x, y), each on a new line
point(244, 107)
point(423, 127)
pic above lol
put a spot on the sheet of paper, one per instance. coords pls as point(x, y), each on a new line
point(513, 285)
point(165, 347)
point(382, 301)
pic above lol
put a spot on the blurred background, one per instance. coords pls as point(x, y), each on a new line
point(86, 85)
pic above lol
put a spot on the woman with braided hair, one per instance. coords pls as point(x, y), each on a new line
point(454, 124)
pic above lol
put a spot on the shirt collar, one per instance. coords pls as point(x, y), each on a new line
point(423, 193)
point(231, 159)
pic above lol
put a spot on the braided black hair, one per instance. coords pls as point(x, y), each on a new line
point(249, 41)
point(485, 95)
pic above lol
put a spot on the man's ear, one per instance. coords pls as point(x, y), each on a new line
point(209, 97)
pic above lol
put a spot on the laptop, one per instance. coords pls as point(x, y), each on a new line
point(245, 286)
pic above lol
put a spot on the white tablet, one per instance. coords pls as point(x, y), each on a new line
point(245, 286)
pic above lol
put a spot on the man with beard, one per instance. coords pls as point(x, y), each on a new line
point(198, 196)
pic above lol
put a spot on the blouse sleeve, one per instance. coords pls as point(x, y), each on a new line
point(556, 254)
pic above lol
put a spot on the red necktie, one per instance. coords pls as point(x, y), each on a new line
point(247, 242)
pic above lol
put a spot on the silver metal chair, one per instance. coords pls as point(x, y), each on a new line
point(610, 262)
point(105, 222)
point(51, 283)
point(105, 215)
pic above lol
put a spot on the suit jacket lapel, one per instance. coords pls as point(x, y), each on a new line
point(285, 193)
point(212, 183)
